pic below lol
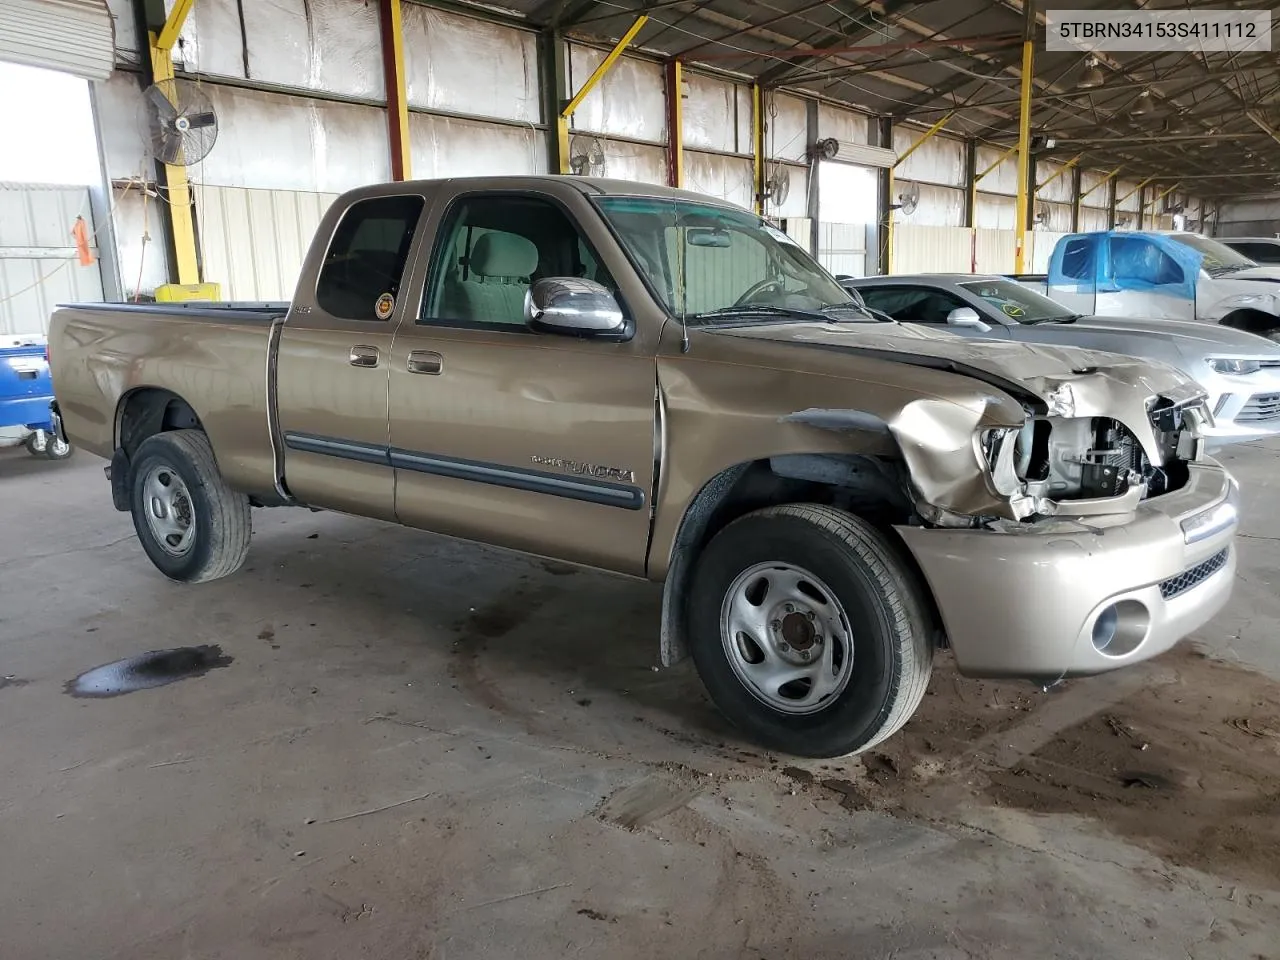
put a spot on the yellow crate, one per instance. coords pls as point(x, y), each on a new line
point(181, 292)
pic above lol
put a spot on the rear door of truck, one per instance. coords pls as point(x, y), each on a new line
point(1073, 273)
point(335, 353)
point(535, 441)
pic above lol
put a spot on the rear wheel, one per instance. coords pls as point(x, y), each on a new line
point(191, 524)
point(809, 631)
point(55, 448)
point(36, 442)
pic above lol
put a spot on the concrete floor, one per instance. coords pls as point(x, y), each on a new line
point(428, 749)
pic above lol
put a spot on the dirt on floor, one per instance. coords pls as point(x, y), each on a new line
point(1185, 764)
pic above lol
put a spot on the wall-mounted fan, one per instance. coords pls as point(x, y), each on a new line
point(178, 124)
point(1042, 215)
point(777, 185)
point(586, 157)
point(826, 149)
point(908, 199)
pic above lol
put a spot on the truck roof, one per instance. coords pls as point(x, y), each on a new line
point(587, 185)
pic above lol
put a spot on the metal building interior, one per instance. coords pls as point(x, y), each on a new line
point(557, 801)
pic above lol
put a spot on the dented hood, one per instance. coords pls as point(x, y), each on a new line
point(1103, 384)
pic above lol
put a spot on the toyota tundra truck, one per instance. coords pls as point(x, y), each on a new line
point(661, 385)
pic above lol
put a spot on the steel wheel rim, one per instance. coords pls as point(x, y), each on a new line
point(166, 504)
point(786, 637)
point(57, 446)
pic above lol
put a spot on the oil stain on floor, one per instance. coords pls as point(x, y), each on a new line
point(153, 669)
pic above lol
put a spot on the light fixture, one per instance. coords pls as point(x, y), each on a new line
point(1142, 105)
point(1093, 77)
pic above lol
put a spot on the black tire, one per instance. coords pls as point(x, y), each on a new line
point(220, 516)
point(33, 445)
point(56, 449)
point(889, 626)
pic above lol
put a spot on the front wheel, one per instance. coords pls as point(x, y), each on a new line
point(55, 448)
point(191, 524)
point(809, 631)
point(37, 442)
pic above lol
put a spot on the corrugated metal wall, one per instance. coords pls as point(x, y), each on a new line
point(39, 267)
point(929, 249)
point(255, 240)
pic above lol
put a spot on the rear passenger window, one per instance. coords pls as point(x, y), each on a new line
point(361, 274)
point(1077, 259)
point(492, 249)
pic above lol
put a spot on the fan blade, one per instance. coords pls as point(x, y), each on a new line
point(198, 120)
point(165, 110)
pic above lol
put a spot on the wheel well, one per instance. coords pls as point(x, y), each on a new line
point(873, 488)
point(1251, 321)
point(146, 412)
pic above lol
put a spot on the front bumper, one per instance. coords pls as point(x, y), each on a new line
point(1244, 407)
point(1030, 603)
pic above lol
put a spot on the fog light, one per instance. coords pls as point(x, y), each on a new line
point(1121, 628)
point(1104, 628)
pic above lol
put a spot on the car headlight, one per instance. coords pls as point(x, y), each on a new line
point(1234, 366)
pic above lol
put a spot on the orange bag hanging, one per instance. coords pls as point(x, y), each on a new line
point(81, 233)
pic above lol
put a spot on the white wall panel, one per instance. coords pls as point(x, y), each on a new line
point(125, 29)
point(786, 127)
point(276, 142)
point(330, 45)
point(1004, 178)
point(122, 148)
point(633, 161)
point(1093, 183)
point(449, 147)
point(39, 267)
point(931, 249)
point(937, 160)
point(1058, 216)
point(1042, 244)
point(843, 124)
point(842, 248)
point(253, 241)
point(995, 212)
point(1059, 190)
point(1129, 203)
point(1092, 218)
point(142, 237)
point(710, 116)
point(994, 250)
point(628, 101)
point(210, 41)
point(729, 178)
point(938, 207)
point(471, 66)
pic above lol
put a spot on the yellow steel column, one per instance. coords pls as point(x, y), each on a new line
point(1024, 150)
point(757, 144)
point(888, 254)
point(566, 111)
point(181, 224)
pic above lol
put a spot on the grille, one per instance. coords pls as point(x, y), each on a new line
point(1268, 364)
point(1176, 586)
point(1261, 408)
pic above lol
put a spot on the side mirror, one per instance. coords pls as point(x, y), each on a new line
point(967, 318)
point(574, 307)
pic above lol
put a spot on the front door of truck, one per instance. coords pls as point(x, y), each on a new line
point(335, 356)
point(1141, 280)
point(535, 441)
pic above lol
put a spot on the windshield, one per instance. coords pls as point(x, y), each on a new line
point(1218, 257)
point(1017, 302)
point(708, 263)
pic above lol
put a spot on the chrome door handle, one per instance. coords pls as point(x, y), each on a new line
point(426, 361)
point(362, 356)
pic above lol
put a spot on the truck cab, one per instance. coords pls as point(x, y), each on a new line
point(1176, 276)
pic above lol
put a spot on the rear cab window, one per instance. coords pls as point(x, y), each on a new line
point(364, 265)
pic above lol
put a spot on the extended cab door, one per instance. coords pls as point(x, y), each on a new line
point(1073, 273)
point(335, 356)
point(535, 441)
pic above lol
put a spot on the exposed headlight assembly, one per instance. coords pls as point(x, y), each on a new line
point(1235, 367)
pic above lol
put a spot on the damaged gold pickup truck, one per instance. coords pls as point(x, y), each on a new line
point(660, 385)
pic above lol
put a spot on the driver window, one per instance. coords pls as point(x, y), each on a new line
point(492, 249)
